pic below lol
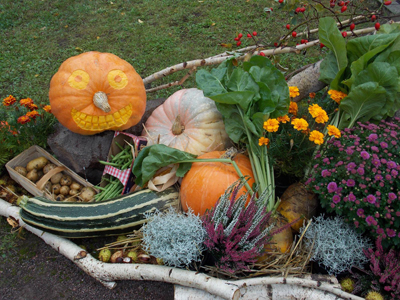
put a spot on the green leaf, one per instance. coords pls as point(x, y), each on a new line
point(152, 158)
point(363, 102)
point(389, 28)
point(209, 83)
point(249, 124)
point(331, 37)
point(257, 60)
point(233, 121)
point(241, 98)
point(360, 64)
point(328, 68)
point(362, 45)
point(242, 81)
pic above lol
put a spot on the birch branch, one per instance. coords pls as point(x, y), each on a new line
point(217, 59)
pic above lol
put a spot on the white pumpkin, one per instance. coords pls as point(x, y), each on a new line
point(188, 121)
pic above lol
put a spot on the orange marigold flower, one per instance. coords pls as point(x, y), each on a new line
point(26, 102)
point(316, 137)
point(10, 100)
point(293, 91)
point(283, 119)
point(263, 141)
point(32, 106)
point(23, 119)
point(300, 124)
point(318, 113)
point(293, 108)
point(311, 95)
point(337, 96)
point(47, 108)
point(32, 114)
point(332, 130)
point(271, 125)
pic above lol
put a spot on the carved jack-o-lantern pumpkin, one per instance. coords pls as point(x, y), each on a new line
point(93, 92)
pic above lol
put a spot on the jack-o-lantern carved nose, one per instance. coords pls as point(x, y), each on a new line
point(101, 101)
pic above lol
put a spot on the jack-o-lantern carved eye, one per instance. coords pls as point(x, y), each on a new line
point(79, 79)
point(117, 79)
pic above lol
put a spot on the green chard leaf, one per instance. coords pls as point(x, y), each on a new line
point(209, 83)
point(362, 103)
point(154, 157)
point(331, 37)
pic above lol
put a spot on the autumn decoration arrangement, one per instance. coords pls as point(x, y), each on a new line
point(225, 147)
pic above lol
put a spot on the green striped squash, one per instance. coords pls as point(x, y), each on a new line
point(116, 216)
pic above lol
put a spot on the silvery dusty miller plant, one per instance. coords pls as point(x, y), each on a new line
point(358, 177)
point(335, 245)
point(174, 237)
point(236, 233)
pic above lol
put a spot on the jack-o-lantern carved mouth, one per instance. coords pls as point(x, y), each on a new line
point(95, 123)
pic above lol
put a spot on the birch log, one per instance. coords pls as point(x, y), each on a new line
point(108, 273)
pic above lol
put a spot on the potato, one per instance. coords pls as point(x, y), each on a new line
point(55, 189)
point(56, 178)
point(47, 187)
point(40, 173)
point(48, 167)
point(32, 175)
point(73, 192)
point(75, 186)
point(60, 198)
point(37, 163)
point(66, 180)
point(21, 170)
point(87, 194)
point(72, 199)
point(64, 190)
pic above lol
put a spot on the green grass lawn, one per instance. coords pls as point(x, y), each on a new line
point(37, 36)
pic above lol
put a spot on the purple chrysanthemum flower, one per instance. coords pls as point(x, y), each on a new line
point(378, 177)
point(371, 199)
point(364, 154)
point(376, 162)
point(352, 198)
point(360, 171)
point(372, 137)
point(325, 173)
point(375, 149)
point(390, 232)
point(350, 182)
point(351, 166)
point(332, 187)
point(360, 212)
point(371, 220)
point(384, 145)
point(349, 151)
point(391, 164)
point(392, 196)
point(336, 199)
point(394, 173)
point(325, 160)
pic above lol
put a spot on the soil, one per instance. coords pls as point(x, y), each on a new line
point(32, 270)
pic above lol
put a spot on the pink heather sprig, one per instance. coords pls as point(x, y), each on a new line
point(358, 177)
point(383, 274)
point(236, 233)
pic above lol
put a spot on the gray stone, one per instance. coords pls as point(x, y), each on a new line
point(81, 153)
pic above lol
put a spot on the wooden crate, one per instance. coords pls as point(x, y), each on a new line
point(36, 189)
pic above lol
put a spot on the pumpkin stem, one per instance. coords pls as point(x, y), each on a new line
point(177, 127)
point(101, 101)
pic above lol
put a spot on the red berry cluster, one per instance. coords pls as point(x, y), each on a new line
point(240, 35)
point(300, 10)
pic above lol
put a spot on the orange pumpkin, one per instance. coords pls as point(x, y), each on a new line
point(206, 181)
point(93, 92)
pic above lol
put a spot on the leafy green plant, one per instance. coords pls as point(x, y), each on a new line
point(247, 96)
point(366, 69)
